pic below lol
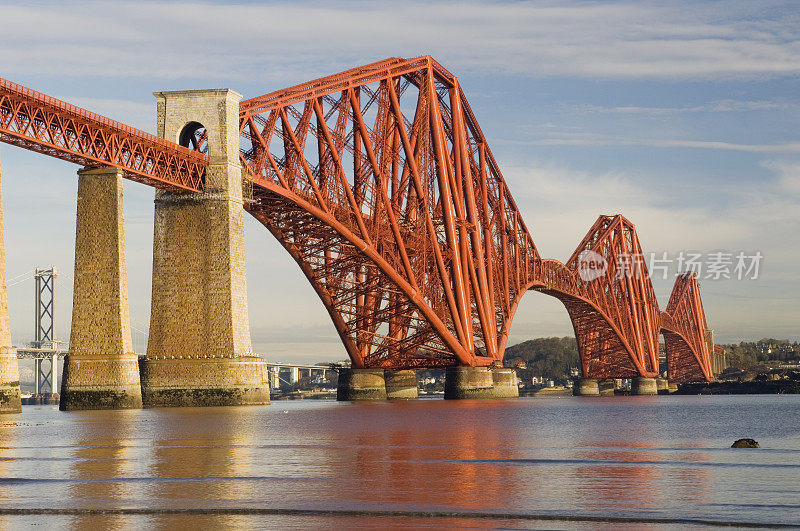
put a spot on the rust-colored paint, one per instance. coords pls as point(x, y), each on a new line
point(38, 122)
point(380, 184)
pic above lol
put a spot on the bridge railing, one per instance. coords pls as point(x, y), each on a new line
point(39, 122)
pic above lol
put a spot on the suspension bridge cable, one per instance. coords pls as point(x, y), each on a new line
point(20, 278)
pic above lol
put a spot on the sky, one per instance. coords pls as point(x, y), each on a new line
point(682, 116)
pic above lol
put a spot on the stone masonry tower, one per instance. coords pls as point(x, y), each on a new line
point(9, 367)
point(199, 352)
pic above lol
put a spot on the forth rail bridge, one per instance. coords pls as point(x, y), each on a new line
point(380, 184)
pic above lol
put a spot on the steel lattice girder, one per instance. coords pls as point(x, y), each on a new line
point(380, 184)
point(37, 122)
point(400, 184)
point(686, 334)
point(615, 315)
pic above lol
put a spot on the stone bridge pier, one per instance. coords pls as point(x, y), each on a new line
point(199, 351)
point(9, 368)
point(101, 370)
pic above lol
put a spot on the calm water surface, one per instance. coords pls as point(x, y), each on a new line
point(640, 462)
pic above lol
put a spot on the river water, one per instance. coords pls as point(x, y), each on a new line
point(636, 462)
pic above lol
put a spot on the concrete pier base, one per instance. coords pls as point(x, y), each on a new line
point(202, 382)
point(101, 370)
point(468, 382)
point(100, 384)
point(401, 384)
point(504, 381)
point(363, 384)
point(480, 382)
point(9, 366)
point(662, 385)
point(644, 386)
point(10, 401)
point(586, 387)
point(607, 387)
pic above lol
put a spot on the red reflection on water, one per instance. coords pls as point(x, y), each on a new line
point(482, 456)
point(617, 480)
point(427, 460)
point(629, 475)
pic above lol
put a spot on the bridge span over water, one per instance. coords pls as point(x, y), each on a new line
point(380, 184)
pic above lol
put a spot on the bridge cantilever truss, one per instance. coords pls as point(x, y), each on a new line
point(380, 184)
point(613, 308)
point(686, 333)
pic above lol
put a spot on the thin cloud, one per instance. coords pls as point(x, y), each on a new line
point(717, 106)
point(202, 40)
point(560, 204)
point(788, 173)
point(596, 139)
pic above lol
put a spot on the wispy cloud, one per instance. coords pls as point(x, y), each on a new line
point(716, 106)
point(788, 173)
point(561, 138)
point(272, 42)
point(560, 204)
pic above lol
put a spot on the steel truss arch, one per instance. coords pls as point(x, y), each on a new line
point(400, 169)
point(379, 182)
point(613, 309)
point(686, 335)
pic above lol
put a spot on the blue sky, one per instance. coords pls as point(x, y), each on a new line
point(683, 116)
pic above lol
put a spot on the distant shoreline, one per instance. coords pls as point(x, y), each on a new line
point(769, 387)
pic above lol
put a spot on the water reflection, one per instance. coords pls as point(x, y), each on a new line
point(617, 480)
point(691, 484)
point(633, 468)
point(199, 467)
point(424, 456)
point(625, 475)
point(8, 441)
point(658, 458)
point(104, 450)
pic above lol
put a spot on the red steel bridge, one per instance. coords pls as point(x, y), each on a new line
point(380, 184)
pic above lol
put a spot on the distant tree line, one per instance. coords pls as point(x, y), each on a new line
point(749, 353)
point(551, 357)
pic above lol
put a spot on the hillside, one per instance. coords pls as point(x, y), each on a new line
point(551, 357)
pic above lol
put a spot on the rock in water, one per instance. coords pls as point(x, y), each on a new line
point(745, 443)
